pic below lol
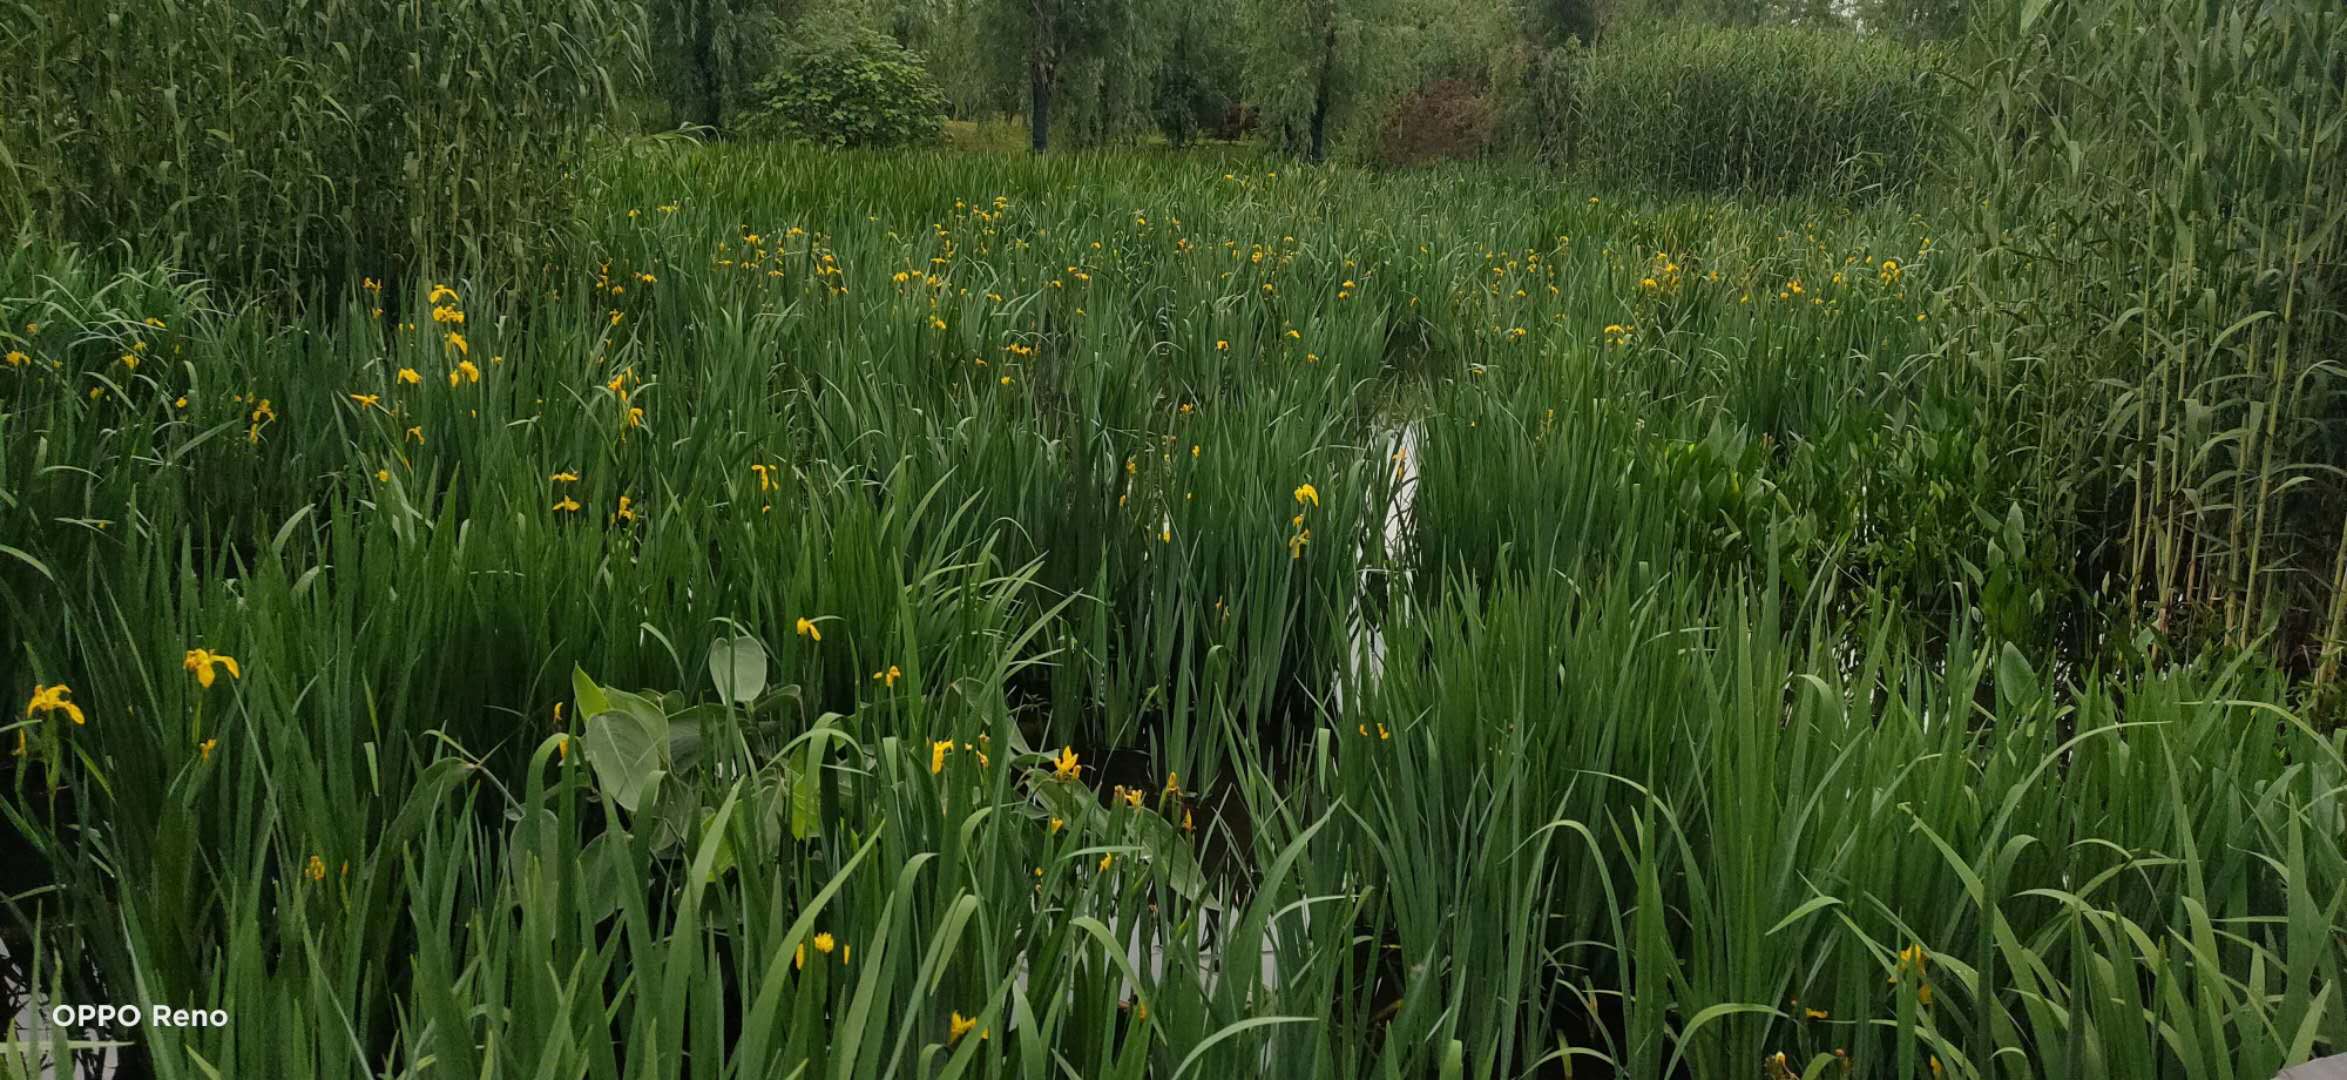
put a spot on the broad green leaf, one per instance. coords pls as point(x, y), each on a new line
point(737, 665)
point(689, 735)
point(626, 744)
point(601, 875)
point(590, 698)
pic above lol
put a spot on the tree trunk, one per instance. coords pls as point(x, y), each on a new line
point(1320, 94)
point(1039, 105)
point(706, 92)
point(1039, 78)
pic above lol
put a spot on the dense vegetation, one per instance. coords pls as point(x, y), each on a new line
point(848, 86)
point(496, 594)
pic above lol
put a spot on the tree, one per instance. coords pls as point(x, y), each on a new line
point(706, 54)
point(1198, 70)
point(950, 36)
point(1049, 41)
point(1044, 51)
point(1310, 61)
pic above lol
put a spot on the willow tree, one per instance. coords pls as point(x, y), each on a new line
point(706, 54)
point(1040, 44)
point(1312, 64)
point(1197, 78)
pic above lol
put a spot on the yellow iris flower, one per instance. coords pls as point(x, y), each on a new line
point(202, 661)
point(51, 699)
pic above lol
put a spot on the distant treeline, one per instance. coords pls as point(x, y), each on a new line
point(1310, 76)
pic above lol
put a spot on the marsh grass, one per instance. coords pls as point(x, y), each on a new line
point(289, 148)
point(1754, 679)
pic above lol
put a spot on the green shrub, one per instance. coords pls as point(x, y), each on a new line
point(1767, 112)
point(848, 86)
